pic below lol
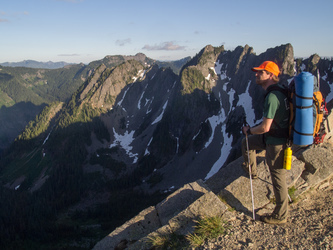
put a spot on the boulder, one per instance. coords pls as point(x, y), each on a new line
point(142, 224)
point(208, 205)
point(318, 160)
point(175, 214)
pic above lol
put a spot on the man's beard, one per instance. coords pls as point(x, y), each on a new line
point(261, 82)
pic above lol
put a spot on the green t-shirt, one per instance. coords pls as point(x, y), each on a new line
point(276, 108)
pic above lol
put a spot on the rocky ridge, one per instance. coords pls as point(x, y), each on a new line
point(309, 224)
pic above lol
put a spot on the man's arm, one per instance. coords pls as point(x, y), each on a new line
point(262, 128)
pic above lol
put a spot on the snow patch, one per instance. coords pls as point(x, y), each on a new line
point(177, 150)
point(169, 190)
point(143, 92)
point(173, 86)
point(212, 68)
point(140, 75)
point(196, 135)
point(231, 94)
point(47, 137)
point(147, 151)
point(245, 100)
point(125, 141)
point(329, 97)
point(223, 75)
point(225, 151)
point(159, 118)
point(218, 67)
point(150, 102)
point(225, 86)
point(214, 121)
point(122, 99)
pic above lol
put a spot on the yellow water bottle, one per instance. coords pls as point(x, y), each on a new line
point(287, 158)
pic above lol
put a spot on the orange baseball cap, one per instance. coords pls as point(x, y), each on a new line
point(268, 66)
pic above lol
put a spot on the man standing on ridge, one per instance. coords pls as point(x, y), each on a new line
point(270, 136)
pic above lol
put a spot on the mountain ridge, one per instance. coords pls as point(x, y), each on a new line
point(42, 86)
point(135, 129)
point(36, 64)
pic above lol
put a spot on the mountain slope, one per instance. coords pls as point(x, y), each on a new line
point(27, 91)
point(41, 86)
point(134, 130)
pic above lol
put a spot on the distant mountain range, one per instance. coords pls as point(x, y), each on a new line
point(35, 64)
point(174, 65)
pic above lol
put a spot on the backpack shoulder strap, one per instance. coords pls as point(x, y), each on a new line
point(279, 132)
point(278, 88)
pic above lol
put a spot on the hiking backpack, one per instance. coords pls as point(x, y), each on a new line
point(315, 101)
point(320, 114)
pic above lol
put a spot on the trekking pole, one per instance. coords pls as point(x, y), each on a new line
point(318, 78)
point(250, 172)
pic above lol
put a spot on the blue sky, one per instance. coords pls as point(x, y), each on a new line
point(86, 30)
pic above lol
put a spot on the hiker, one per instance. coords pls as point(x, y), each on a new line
point(268, 135)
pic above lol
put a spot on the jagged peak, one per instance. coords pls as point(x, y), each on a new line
point(199, 73)
point(106, 83)
point(315, 58)
point(208, 48)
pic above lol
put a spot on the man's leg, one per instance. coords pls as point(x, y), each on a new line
point(274, 158)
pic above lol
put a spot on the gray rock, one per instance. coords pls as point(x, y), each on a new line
point(207, 205)
point(134, 229)
point(175, 214)
point(318, 164)
point(180, 200)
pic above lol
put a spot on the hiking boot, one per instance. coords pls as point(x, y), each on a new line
point(273, 219)
point(253, 172)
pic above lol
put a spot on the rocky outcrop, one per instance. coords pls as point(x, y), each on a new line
point(312, 166)
point(177, 214)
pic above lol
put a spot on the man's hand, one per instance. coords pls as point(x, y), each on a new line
point(262, 128)
point(245, 129)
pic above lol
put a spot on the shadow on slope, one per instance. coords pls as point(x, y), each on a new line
point(14, 119)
